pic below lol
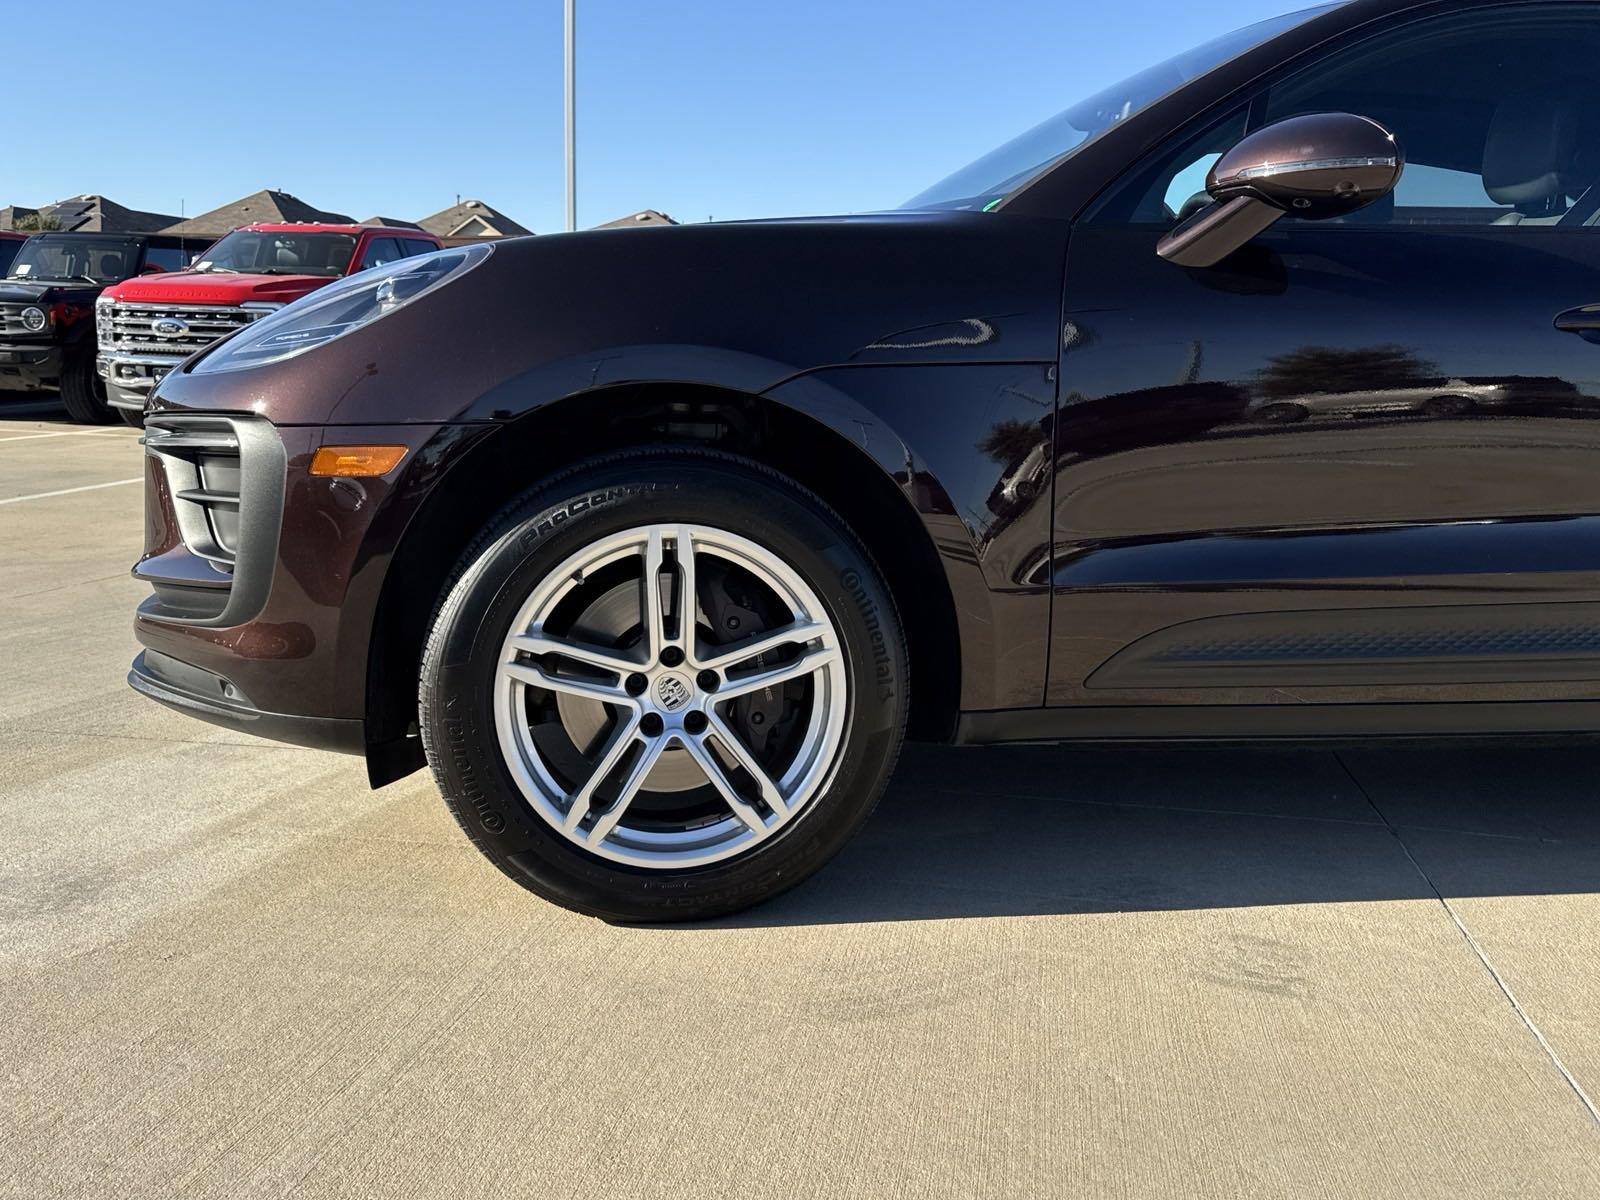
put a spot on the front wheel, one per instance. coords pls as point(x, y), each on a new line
point(665, 686)
point(83, 392)
point(1449, 406)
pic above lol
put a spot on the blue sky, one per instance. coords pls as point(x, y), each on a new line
point(710, 108)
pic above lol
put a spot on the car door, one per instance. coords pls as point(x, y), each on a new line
point(1358, 460)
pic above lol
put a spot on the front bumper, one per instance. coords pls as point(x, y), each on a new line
point(265, 580)
point(197, 692)
point(130, 378)
point(30, 368)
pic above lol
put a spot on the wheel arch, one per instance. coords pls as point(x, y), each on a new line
point(809, 447)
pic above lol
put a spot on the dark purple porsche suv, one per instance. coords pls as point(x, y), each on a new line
point(1248, 398)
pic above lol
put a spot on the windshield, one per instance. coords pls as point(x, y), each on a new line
point(983, 184)
point(254, 253)
point(62, 257)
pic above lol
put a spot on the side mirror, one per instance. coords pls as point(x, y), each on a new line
point(1313, 167)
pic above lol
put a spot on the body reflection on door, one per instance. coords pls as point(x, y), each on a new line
point(1338, 382)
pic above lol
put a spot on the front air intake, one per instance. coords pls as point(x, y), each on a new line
point(224, 479)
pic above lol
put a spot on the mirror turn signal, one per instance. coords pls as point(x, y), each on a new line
point(1314, 167)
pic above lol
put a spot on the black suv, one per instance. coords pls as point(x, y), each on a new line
point(1255, 396)
point(47, 336)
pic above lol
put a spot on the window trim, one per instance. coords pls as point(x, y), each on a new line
point(1253, 95)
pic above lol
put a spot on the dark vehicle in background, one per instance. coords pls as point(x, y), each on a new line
point(655, 547)
point(151, 323)
point(47, 298)
point(10, 243)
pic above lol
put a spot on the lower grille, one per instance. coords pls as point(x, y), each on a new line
point(201, 457)
point(224, 477)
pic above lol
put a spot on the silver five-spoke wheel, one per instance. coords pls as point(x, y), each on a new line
point(671, 696)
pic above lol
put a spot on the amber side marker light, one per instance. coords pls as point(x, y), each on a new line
point(356, 462)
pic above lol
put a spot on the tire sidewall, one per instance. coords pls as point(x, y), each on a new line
point(80, 393)
point(461, 667)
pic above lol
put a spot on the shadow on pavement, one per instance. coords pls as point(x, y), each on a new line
point(31, 406)
point(1003, 832)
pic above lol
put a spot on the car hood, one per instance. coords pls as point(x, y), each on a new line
point(205, 287)
point(21, 291)
point(742, 306)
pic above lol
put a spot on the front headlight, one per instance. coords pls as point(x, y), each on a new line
point(103, 321)
point(34, 319)
point(338, 309)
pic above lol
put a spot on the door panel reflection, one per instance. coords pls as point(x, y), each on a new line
point(1373, 379)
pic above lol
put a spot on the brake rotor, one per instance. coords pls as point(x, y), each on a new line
point(613, 620)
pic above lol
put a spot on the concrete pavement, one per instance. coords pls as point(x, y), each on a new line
point(228, 969)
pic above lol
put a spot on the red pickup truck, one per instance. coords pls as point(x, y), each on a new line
point(150, 324)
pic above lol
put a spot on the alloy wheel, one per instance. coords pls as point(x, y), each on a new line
point(672, 695)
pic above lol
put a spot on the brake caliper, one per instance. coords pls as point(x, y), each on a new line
point(733, 619)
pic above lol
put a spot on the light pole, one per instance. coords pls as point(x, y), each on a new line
point(572, 114)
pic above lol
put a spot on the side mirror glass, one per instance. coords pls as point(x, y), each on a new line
point(1312, 167)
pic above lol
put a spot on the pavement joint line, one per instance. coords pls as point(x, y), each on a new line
point(88, 487)
point(30, 437)
point(1483, 957)
point(252, 744)
point(63, 586)
point(1539, 839)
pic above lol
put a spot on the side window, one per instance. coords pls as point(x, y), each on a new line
point(1498, 113)
point(379, 252)
point(1497, 110)
point(1171, 185)
point(414, 247)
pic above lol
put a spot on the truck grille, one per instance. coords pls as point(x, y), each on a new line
point(11, 321)
point(176, 329)
point(225, 476)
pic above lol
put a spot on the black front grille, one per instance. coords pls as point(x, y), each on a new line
point(225, 475)
point(201, 458)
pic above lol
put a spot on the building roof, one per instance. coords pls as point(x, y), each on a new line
point(263, 207)
point(10, 214)
point(472, 219)
point(466, 221)
point(90, 214)
point(645, 216)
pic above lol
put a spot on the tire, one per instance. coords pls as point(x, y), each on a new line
point(1449, 406)
point(495, 731)
point(1281, 413)
point(132, 416)
point(83, 392)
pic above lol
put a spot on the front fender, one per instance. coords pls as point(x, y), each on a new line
point(968, 446)
point(566, 379)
